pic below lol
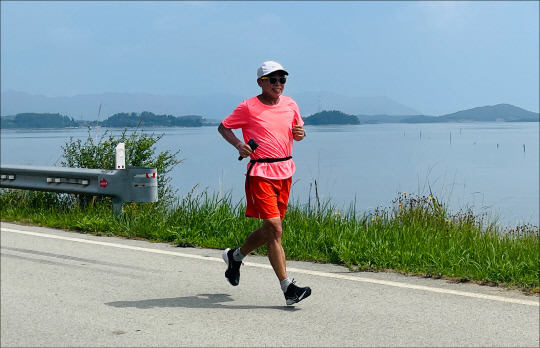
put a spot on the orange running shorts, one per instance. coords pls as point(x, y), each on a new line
point(267, 198)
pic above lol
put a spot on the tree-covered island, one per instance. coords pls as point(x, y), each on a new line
point(119, 120)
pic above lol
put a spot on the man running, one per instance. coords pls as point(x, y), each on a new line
point(272, 121)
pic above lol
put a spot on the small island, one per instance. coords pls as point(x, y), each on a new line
point(331, 117)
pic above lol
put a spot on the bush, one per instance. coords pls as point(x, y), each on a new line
point(140, 152)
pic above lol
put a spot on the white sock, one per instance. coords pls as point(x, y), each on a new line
point(285, 284)
point(237, 255)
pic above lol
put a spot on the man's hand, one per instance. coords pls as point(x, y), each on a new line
point(298, 132)
point(244, 150)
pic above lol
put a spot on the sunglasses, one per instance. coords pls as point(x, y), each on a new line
point(273, 79)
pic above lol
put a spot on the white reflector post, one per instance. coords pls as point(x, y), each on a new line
point(121, 156)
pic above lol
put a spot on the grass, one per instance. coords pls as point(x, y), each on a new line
point(415, 236)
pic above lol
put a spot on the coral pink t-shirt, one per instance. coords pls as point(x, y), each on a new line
point(271, 127)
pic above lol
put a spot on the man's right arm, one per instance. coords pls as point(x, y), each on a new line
point(244, 150)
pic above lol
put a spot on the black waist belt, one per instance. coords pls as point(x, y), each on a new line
point(265, 160)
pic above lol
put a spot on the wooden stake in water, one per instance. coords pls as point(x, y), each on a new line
point(99, 112)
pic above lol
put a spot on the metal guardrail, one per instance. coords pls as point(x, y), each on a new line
point(133, 184)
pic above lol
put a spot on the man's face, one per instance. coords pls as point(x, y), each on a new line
point(273, 84)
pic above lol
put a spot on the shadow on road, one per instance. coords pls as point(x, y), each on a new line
point(198, 301)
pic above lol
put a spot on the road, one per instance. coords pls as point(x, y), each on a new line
point(66, 289)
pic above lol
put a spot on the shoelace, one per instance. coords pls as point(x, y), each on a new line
point(293, 283)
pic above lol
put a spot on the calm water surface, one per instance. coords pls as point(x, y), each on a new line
point(490, 168)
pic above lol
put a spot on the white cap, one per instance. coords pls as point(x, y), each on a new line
point(269, 67)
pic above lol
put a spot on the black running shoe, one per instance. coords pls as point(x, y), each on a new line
point(295, 294)
point(233, 267)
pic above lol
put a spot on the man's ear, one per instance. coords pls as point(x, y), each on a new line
point(259, 82)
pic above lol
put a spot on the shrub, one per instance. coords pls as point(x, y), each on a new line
point(140, 152)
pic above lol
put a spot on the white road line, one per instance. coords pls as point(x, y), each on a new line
point(296, 270)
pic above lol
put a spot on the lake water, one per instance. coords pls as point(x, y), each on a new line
point(489, 168)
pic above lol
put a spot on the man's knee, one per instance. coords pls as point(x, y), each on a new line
point(273, 228)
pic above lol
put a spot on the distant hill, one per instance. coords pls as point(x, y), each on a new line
point(210, 106)
point(500, 112)
point(86, 107)
point(491, 113)
point(39, 111)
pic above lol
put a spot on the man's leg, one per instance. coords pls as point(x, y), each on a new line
point(262, 201)
point(269, 234)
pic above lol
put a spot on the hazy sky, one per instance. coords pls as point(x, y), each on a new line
point(435, 57)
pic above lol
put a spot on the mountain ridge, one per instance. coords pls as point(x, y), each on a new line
point(488, 113)
point(210, 106)
point(116, 103)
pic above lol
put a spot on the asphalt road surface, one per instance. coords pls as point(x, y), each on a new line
point(66, 289)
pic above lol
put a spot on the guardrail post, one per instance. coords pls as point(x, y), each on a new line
point(117, 206)
point(119, 163)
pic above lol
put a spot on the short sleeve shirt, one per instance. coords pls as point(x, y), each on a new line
point(271, 127)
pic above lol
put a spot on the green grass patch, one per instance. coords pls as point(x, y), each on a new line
point(415, 236)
